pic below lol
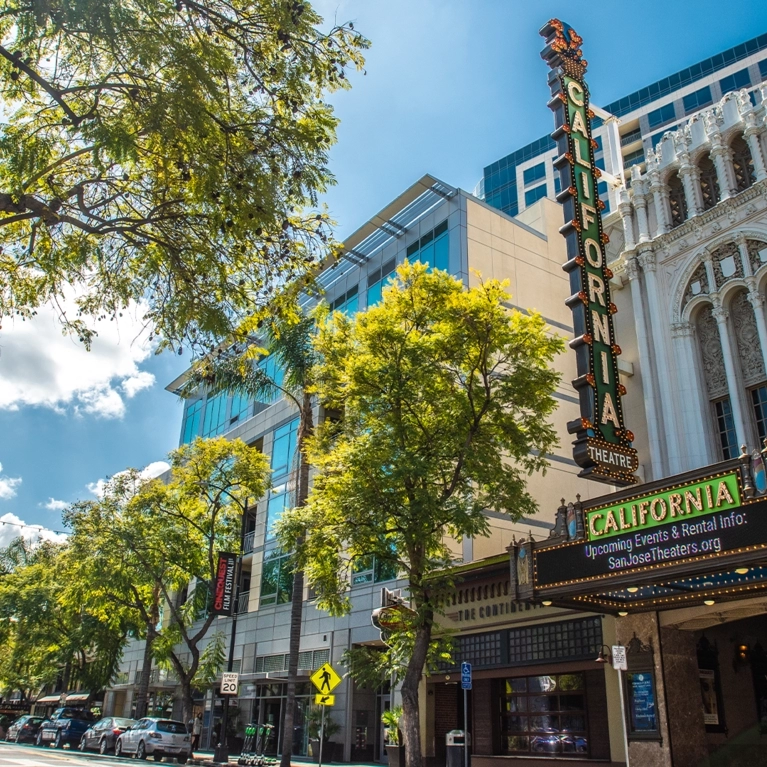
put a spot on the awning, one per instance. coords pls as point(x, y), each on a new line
point(78, 697)
point(49, 699)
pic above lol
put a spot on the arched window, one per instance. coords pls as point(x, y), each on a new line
point(709, 183)
point(743, 164)
point(716, 381)
point(677, 200)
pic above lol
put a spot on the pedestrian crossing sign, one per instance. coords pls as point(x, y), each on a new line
point(324, 700)
point(325, 679)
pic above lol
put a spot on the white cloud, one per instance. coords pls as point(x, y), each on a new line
point(133, 385)
point(11, 527)
point(8, 486)
point(43, 367)
point(55, 505)
point(154, 469)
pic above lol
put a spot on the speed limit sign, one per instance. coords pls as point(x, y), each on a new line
point(229, 683)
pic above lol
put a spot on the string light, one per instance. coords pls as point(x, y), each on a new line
point(38, 528)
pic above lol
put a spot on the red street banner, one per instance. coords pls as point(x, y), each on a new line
point(223, 592)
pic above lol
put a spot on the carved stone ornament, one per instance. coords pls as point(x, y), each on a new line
point(747, 339)
point(711, 353)
point(697, 286)
point(755, 247)
point(726, 259)
point(523, 569)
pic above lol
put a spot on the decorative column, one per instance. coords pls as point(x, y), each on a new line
point(689, 174)
point(722, 157)
point(627, 218)
point(658, 331)
point(645, 359)
point(720, 314)
point(697, 444)
point(640, 205)
point(751, 134)
point(660, 196)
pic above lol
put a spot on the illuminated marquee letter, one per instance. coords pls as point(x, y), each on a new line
point(602, 446)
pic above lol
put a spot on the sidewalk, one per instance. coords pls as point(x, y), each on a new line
point(205, 759)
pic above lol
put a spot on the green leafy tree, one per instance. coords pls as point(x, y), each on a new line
point(445, 397)
point(288, 337)
point(114, 541)
point(167, 151)
point(193, 517)
point(46, 634)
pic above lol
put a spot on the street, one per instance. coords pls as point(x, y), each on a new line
point(12, 755)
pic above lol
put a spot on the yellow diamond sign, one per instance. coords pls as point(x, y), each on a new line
point(325, 679)
point(325, 700)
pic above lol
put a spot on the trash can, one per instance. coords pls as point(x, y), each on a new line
point(456, 742)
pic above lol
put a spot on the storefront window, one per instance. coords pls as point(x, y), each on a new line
point(545, 715)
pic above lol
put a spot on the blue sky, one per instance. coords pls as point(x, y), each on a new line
point(451, 86)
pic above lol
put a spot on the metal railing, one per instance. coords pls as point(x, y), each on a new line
point(248, 543)
point(242, 602)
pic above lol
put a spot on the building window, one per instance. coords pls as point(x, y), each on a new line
point(432, 249)
point(536, 173)
point(240, 408)
point(372, 569)
point(271, 367)
point(604, 195)
point(535, 194)
point(709, 183)
point(276, 505)
point(631, 137)
point(726, 428)
point(276, 579)
point(742, 164)
point(697, 100)
point(661, 116)
point(377, 280)
point(759, 401)
point(214, 422)
point(192, 421)
point(545, 715)
point(677, 201)
point(763, 69)
point(633, 158)
point(735, 81)
point(348, 302)
point(284, 448)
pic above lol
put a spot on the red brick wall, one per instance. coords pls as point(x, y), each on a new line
point(483, 702)
point(445, 717)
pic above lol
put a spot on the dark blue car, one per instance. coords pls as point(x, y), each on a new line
point(65, 725)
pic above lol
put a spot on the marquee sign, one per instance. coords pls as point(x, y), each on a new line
point(603, 444)
point(701, 520)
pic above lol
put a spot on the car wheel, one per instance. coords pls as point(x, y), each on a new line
point(81, 744)
point(103, 746)
point(57, 741)
point(158, 757)
point(182, 759)
point(119, 748)
point(141, 751)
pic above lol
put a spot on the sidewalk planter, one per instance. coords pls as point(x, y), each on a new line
point(395, 753)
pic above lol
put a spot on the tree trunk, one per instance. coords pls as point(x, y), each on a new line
point(411, 724)
point(142, 692)
point(305, 428)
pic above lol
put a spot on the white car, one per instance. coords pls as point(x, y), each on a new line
point(157, 737)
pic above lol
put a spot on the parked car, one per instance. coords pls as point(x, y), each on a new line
point(24, 729)
point(103, 734)
point(156, 737)
point(66, 725)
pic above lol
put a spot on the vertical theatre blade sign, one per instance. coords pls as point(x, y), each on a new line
point(603, 444)
point(223, 593)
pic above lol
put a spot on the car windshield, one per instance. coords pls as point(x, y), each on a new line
point(168, 725)
point(124, 722)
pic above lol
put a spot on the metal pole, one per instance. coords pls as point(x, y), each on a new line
point(465, 728)
point(221, 753)
point(322, 734)
point(623, 714)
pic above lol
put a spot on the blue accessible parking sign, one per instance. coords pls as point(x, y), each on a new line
point(465, 676)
